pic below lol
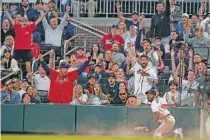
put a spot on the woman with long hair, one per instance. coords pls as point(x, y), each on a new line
point(33, 95)
point(79, 98)
point(97, 97)
point(200, 70)
point(120, 76)
point(26, 99)
point(96, 54)
point(8, 44)
point(8, 64)
point(122, 29)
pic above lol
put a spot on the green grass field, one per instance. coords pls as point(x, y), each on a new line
point(64, 137)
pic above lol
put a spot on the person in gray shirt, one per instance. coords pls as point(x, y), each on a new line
point(176, 13)
point(118, 57)
point(199, 43)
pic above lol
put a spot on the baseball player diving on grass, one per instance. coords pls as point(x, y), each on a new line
point(164, 117)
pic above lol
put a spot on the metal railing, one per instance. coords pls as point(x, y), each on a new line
point(13, 73)
point(68, 41)
point(107, 7)
point(33, 63)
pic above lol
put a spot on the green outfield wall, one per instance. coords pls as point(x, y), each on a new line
point(45, 118)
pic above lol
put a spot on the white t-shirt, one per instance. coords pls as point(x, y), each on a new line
point(41, 83)
point(168, 97)
point(157, 106)
point(160, 99)
point(84, 98)
point(130, 40)
point(141, 81)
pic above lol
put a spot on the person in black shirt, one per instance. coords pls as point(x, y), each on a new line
point(5, 31)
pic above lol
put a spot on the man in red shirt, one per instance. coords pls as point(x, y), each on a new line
point(62, 81)
point(23, 31)
point(111, 38)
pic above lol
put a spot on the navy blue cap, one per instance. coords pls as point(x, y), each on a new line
point(63, 64)
point(91, 76)
point(151, 91)
point(115, 26)
point(24, 80)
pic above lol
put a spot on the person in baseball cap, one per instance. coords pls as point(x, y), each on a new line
point(39, 1)
point(151, 95)
point(135, 13)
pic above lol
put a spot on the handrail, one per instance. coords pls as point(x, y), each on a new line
point(38, 59)
point(5, 77)
point(87, 30)
point(67, 41)
point(72, 50)
point(88, 26)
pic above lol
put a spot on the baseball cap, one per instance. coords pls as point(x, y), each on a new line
point(24, 80)
point(63, 64)
point(135, 13)
point(185, 15)
point(151, 91)
point(111, 75)
point(39, 1)
point(115, 26)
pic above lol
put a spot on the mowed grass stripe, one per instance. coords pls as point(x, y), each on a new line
point(64, 137)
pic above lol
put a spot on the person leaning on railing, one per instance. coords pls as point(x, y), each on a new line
point(62, 81)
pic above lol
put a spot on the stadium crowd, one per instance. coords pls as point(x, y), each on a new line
point(126, 63)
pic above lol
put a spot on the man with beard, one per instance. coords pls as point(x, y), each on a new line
point(196, 60)
point(62, 81)
point(162, 115)
point(10, 96)
point(145, 77)
point(26, 11)
point(116, 55)
point(134, 21)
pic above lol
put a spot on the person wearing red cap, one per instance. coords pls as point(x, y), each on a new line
point(62, 81)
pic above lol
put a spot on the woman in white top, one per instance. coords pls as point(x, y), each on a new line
point(8, 44)
point(96, 54)
point(79, 98)
point(8, 64)
point(172, 97)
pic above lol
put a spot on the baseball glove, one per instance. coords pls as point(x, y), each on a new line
point(141, 129)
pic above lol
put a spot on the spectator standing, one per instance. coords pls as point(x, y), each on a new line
point(160, 22)
point(175, 15)
point(131, 39)
point(199, 43)
point(26, 11)
point(6, 30)
point(68, 30)
point(111, 38)
point(53, 12)
point(10, 96)
point(13, 11)
point(53, 32)
point(23, 30)
point(38, 34)
point(62, 81)
point(118, 57)
point(145, 77)
point(135, 17)
point(42, 84)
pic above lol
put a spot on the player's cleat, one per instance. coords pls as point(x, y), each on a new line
point(178, 133)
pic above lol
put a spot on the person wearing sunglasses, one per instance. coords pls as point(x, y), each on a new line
point(122, 98)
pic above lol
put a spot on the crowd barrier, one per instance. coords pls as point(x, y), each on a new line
point(45, 118)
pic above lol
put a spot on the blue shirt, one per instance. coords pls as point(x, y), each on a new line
point(14, 97)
